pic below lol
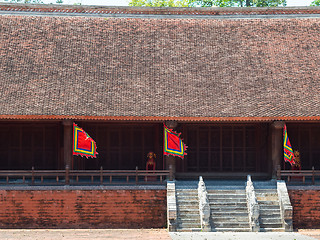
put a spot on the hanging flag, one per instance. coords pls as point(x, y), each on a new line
point(173, 144)
point(83, 144)
point(288, 152)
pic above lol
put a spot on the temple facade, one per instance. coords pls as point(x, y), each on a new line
point(226, 79)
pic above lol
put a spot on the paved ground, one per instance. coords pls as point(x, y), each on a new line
point(239, 236)
point(81, 234)
point(315, 233)
point(144, 234)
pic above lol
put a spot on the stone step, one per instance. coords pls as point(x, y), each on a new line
point(187, 191)
point(192, 215)
point(231, 229)
point(229, 208)
point(261, 199)
point(241, 191)
point(270, 214)
point(184, 206)
point(269, 209)
point(257, 190)
point(195, 221)
point(189, 220)
point(223, 196)
point(230, 219)
point(270, 225)
point(187, 197)
point(270, 220)
point(188, 225)
point(227, 214)
point(188, 210)
point(230, 225)
point(193, 218)
point(266, 207)
point(272, 229)
point(226, 199)
point(189, 229)
point(228, 204)
point(268, 202)
point(230, 213)
point(183, 197)
point(188, 202)
point(266, 193)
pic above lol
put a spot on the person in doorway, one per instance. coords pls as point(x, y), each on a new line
point(151, 165)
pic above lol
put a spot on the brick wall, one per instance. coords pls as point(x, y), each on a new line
point(306, 208)
point(83, 208)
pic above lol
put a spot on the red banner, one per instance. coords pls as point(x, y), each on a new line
point(173, 144)
point(83, 144)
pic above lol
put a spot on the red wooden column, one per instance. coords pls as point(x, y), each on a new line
point(170, 160)
point(67, 142)
point(276, 145)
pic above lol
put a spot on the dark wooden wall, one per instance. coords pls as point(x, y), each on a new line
point(225, 148)
point(25, 145)
point(122, 146)
point(305, 137)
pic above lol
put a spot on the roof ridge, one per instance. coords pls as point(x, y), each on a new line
point(161, 118)
point(124, 10)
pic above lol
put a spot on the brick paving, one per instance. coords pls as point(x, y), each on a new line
point(81, 234)
point(146, 234)
point(315, 233)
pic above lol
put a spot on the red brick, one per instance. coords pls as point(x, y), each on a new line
point(83, 209)
point(306, 208)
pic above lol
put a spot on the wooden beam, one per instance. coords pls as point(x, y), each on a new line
point(276, 145)
point(67, 142)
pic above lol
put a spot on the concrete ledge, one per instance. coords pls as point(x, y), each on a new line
point(301, 187)
point(46, 188)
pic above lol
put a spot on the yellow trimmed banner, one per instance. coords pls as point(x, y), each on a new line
point(83, 144)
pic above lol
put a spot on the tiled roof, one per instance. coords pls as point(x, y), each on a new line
point(156, 69)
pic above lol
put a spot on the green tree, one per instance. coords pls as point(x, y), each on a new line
point(315, 3)
point(209, 3)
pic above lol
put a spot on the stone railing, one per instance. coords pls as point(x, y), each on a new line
point(171, 206)
point(204, 207)
point(285, 206)
point(253, 207)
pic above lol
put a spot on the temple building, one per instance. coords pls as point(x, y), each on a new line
point(227, 79)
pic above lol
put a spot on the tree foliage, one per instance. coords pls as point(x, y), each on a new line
point(315, 3)
point(209, 3)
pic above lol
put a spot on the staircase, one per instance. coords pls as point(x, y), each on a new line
point(188, 210)
point(270, 217)
point(229, 211)
point(229, 207)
